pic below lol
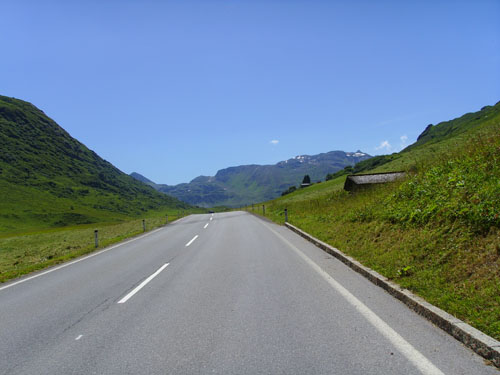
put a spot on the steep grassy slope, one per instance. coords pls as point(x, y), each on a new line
point(48, 178)
point(437, 233)
point(56, 192)
point(449, 129)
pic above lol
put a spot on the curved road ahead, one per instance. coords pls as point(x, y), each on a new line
point(223, 294)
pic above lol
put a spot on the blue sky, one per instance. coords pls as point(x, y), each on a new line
point(177, 89)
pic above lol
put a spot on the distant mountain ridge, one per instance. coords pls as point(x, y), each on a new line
point(141, 178)
point(239, 185)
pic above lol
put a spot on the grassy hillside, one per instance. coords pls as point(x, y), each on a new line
point(436, 233)
point(450, 129)
point(56, 192)
point(49, 179)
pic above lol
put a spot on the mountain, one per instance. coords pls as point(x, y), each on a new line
point(143, 179)
point(432, 139)
point(452, 128)
point(48, 178)
point(235, 186)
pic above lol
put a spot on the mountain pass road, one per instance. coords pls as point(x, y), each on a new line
point(224, 293)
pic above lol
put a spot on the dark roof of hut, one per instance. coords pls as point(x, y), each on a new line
point(374, 178)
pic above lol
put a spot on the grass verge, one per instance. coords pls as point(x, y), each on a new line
point(24, 253)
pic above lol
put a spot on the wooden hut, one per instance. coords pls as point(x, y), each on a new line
point(356, 182)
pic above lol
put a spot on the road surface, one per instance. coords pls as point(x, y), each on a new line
point(217, 294)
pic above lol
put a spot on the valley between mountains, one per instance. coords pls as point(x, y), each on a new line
point(245, 184)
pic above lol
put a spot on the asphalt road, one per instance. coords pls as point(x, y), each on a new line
point(243, 297)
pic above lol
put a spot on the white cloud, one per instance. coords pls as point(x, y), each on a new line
point(274, 142)
point(384, 145)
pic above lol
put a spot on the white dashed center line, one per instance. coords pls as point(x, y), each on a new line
point(206, 225)
point(192, 240)
point(79, 337)
point(143, 284)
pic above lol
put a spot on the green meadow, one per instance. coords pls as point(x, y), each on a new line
point(22, 253)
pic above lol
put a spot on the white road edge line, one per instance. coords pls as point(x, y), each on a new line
point(424, 365)
point(78, 260)
point(192, 240)
point(143, 284)
point(78, 337)
point(206, 225)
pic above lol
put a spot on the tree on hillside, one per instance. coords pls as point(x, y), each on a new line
point(307, 179)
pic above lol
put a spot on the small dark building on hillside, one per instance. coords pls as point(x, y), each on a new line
point(355, 182)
